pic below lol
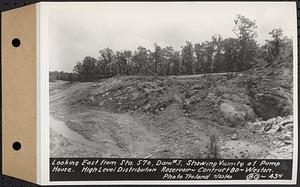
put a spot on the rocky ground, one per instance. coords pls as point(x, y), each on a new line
point(221, 115)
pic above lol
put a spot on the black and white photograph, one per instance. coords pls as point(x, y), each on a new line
point(168, 80)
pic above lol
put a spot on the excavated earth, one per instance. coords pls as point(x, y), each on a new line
point(220, 115)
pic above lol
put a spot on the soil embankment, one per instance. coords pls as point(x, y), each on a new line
point(223, 115)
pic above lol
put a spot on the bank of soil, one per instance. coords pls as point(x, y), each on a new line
point(221, 115)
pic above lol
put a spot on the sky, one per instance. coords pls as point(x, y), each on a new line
point(82, 29)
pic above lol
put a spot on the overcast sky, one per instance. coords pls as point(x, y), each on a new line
point(82, 29)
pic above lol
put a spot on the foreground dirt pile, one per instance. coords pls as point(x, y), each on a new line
point(222, 115)
point(275, 133)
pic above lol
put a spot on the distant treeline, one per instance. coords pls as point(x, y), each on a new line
point(61, 75)
point(218, 55)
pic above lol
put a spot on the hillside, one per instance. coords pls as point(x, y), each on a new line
point(225, 115)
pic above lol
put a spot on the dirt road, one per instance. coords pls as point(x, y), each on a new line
point(115, 135)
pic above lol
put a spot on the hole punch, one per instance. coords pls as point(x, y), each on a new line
point(16, 146)
point(16, 42)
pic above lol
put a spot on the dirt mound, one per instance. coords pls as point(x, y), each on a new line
point(270, 89)
point(219, 115)
point(214, 97)
point(230, 99)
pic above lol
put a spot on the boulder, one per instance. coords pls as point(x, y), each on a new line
point(211, 97)
point(274, 128)
point(228, 110)
point(232, 115)
point(146, 107)
point(267, 127)
point(234, 137)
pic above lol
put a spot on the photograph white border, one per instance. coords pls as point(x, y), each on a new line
point(43, 110)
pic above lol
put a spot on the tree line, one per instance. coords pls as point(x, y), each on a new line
point(217, 55)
